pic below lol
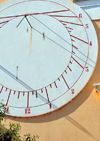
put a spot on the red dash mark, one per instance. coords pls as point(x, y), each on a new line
point(50, 86)
point(74, 46)
point(59, 79)
point(28, 100)
point(73, 52)
point(72, 40)
point(32, 92)
point(1, 89)
point(69, 68)
point(72, 91)
point(77, 62)
point(14, 92)
point(41, 90)
point(79, 39)
point(18, 94)
point(55, 84)
point(27, 111)
point(36, 94)
point(65, 81)
point(70, 62)
point(69, 28)
point(8, 98)
point(47, 96)
point(65, 71)
point(6, 90)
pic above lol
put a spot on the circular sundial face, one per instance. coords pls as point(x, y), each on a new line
point(48, 51)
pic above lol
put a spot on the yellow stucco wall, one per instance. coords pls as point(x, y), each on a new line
point(77, 121)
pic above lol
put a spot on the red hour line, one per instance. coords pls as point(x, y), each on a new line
point(55, 84)
point(77, 62)
point(47, 97)
point(28, 100)
point(70, 23)
point(54, 12)
point(4, 22)
point(8, 98)
point(79, 39)
point(69, 68)
point(65, 81)
point(63, 16)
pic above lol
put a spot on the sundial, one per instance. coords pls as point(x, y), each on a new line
point(48, 52)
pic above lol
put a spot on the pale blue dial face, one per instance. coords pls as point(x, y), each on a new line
point(47, 55)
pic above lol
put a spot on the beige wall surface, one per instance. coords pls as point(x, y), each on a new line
point(77, 121)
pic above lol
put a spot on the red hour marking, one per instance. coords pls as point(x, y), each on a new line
point(77, 62)
point(14, 92)
point(65, 81)
point(36, 94)
point(28, 100)
point(72, 91)
point(69, 68)
point(27, 111)
point(41, 90)
point(79, 39)
point(80, 15)
point(18, 94)
point(55, 84)
point(1, 89)
point(86, 26)
point(74, 46)
point(50, 86)
point(8, 98)
point(7, 109)
point(64, 22)
point(86, 69)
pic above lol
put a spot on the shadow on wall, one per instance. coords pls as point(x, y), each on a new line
point(72, 106)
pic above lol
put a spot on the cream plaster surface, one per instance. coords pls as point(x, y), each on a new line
point(77, 121)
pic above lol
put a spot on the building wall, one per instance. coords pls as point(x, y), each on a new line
point(77, 121)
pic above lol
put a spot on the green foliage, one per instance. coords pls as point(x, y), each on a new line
point(2, 113)
point(13, 133)
point(28, 137)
